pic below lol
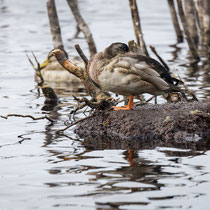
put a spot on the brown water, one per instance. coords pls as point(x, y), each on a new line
point(41, 170)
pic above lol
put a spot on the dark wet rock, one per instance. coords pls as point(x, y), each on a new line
point(185, 125)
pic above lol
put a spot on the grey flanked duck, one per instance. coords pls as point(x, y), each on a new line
point(129, 74)
point(52, 71)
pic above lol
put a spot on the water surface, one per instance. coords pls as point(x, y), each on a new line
point(42, 170)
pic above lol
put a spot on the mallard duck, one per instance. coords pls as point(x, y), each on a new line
point(129, 74)
point(52, 71)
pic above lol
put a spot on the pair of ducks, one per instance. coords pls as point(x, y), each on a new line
point(126, 73)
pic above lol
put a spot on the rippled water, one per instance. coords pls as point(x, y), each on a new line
point(42, 170)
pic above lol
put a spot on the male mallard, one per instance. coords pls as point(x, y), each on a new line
point(52, 71)
point(129, 74)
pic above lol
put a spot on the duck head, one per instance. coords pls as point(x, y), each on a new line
point(115, 49)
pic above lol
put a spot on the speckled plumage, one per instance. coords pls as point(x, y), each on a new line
point(54, 72)
point(128, 73)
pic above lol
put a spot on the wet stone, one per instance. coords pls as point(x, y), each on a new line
point(183, 125)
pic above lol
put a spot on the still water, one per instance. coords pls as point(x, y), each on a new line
point(41, 170)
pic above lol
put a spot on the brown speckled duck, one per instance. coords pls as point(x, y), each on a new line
point(52, 71)
point(129, 74)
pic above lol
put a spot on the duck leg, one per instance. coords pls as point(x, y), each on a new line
point(128, 107)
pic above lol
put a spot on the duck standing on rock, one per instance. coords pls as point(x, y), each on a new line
point(129, 74)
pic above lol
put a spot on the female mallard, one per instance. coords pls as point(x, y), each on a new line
point(129, 74)
point(52, 71)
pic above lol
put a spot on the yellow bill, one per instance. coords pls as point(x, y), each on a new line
point(44, 64)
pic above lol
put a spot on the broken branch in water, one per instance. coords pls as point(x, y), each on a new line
point(36, 68)
point(137, 26)
point(37, 62)
point(73, 4)
point(191, 20)
point(27, 116)
point(175, 20)
point(191, 45)
point(54, 25)
point(30, 61)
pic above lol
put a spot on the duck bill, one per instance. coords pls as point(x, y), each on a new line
point(44, 64)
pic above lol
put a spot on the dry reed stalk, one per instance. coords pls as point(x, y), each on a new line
point(54, 24)
point(175, 21)
point(191, 45)
point(160, 59)
point(206, 22)
point(191, 20)
point(137, 26)
point(81, 54)
point(73, 4)
point(200, 6)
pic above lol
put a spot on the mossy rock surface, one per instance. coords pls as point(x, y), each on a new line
point(185, 125)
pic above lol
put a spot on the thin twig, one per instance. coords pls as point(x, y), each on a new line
point(34, 67)
point(78, 107)
point(37, 69)
point(81, 54)
point(88, 102)
point(186, 87)
point(72, 124)
point(37, 62)
point(27, 116)
point(160, 59)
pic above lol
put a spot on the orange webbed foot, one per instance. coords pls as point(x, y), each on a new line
point(122, 108)
point(128, 107)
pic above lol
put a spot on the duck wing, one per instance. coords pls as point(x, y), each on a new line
point(132, 65)
point(153, 64)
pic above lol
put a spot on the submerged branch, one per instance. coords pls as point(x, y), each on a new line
point(27, 116)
